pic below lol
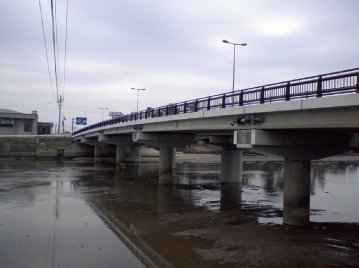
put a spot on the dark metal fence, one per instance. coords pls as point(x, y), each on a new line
point(342, 82)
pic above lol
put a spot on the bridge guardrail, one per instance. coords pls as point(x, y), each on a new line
point(341, 82)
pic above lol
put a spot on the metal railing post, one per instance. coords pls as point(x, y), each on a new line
point(185, 107)
point(196, 105)
point(287, 92)
point(358, 83)
point(209, 103)
point(241, 98)
point(224, 101)
point(319, 87)
point(262, 95)
point(175, 109)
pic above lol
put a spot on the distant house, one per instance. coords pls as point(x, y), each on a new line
point(16, 123)
point(44, 128)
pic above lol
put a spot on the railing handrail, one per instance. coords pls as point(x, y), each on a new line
point(245, 98)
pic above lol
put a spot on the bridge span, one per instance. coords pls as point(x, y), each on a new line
point(301, 120)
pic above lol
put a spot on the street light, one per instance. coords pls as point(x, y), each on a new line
point(138, 94)
point(103, 110)
point(234, 57)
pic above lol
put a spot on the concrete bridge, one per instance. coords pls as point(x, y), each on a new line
point(301, 120)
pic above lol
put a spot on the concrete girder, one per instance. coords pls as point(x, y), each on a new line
point(164, 140)
point(116, 140)
point(296, 144)
point(226, 142)
point(88, 141)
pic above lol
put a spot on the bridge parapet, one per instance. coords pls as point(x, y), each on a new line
point(342, 82)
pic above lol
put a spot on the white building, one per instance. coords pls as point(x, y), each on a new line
point(15, 123)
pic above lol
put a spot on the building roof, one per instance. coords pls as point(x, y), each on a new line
point(8, 111)
point(14, 114)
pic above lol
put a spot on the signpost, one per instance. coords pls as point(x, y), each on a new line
point(81, 121)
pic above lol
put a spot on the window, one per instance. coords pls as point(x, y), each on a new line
point(7, 122)
point(27, 125)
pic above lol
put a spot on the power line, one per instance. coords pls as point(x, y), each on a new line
point(47, 57)
point(67, 12)
point(57, 42)
point(56, 55)
point(24, 105)
point(54, 48)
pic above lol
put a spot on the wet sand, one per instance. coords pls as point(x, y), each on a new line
point(205, 238)
point(186, 223)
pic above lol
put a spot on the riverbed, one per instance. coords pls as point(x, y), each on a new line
point(77, 214)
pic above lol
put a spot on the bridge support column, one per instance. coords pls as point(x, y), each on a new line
point(296, 197)
point(97, 153)
point(231, 178)
point(167, 161)
point(120, 156)
point(135, 154)
point(231, 166)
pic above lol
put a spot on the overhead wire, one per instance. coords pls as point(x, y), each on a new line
point(24, 105)
point(57, 42)
point(54, 48)
point(66, 20)
point(58, 84)
point(45, 43)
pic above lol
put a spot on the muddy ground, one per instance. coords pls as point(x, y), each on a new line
point(187, 237)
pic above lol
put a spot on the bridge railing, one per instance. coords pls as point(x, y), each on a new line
point(342, 82)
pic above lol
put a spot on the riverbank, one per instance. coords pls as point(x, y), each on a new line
point(46, 147)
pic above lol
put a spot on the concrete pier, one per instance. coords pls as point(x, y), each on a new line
point(120, 156)
point(296, 197)
point(98, 153)
point(135, 154)
point(167, 161)
point(231, 166)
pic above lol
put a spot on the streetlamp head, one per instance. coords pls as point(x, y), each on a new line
point(225, 41)
point(243, 44)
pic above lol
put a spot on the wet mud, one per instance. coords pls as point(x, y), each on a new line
point(75, 214)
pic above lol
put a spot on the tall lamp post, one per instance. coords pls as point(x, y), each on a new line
point(103, 110)
point(234, 57)
point(138, 94)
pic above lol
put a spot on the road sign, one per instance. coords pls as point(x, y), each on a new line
point(81, 121)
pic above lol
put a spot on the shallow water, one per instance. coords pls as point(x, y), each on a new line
point(56, 214)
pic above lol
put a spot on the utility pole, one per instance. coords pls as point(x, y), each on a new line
point(72, 125)
point(59, 101)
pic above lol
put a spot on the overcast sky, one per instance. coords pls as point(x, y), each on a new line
point(172, 48)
